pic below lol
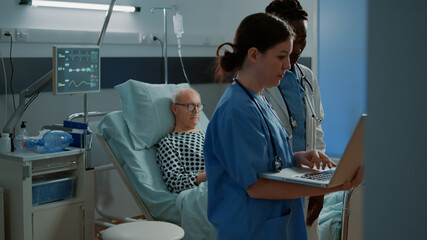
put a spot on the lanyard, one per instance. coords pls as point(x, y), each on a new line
point(292, 121)
point(277, 163)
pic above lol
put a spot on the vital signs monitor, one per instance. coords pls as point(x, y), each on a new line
point(76, 69)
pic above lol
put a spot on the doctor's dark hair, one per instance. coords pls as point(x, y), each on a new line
point(261, 30)
point(288, 10)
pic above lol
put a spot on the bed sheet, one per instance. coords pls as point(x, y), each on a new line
point(330, 217)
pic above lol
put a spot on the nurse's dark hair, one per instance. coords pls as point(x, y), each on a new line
point(288, 10)
point(260, 30)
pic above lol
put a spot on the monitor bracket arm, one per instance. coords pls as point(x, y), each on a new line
point(34, 88)
point(41, 83)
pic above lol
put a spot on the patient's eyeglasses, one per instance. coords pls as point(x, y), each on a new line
point(191, 107)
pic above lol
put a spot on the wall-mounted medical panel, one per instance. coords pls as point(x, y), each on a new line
point(53, 36)
point(116, 70)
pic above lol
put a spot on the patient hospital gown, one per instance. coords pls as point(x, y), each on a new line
point(180, 158)
point(237, 148)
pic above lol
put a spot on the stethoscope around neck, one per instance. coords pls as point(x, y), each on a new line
point(292, 121)
point(277, 162)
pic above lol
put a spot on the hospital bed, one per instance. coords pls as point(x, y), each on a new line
point(129, 137)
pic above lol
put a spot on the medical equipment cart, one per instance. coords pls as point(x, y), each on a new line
point(50, 213)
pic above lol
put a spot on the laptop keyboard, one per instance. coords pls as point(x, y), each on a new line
point(321, 176)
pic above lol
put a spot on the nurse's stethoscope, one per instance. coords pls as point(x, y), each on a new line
point(292, 121)
point(277, 163)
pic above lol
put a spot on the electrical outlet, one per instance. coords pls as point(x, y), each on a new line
point(148, 38)
point(21, 35)
point(145, 39)
point(10, 31)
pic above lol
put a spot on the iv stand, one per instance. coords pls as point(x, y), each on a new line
point(89, 136)
point(165, 35)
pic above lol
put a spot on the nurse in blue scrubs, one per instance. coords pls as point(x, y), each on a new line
point(245, 137)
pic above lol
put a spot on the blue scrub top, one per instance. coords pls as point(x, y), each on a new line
point(293, 93)
point(238, 147)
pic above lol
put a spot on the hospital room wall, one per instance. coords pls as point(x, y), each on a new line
point(396, 130)
point(216, 22)
point(206, 25)
point(342, 69)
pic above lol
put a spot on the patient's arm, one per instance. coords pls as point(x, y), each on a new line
point(176, 177)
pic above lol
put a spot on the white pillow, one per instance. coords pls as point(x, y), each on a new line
point(147, 111)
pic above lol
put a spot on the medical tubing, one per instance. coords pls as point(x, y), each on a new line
point(11, 73)
point(5, 87)
point(180, 59)
point(178, 28)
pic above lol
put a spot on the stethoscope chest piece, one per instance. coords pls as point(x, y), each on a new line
point(277, 164)
point(293, 122)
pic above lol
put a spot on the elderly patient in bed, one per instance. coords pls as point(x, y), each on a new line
point(180, 153)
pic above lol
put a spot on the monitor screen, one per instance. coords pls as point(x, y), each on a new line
point(76, 69)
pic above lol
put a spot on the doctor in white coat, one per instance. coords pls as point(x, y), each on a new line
point(297, 101)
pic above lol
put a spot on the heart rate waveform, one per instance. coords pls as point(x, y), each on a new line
point(75, 84)
point(79, 55)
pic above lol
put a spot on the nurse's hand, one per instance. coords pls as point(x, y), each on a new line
point(313, 159)
point(355, 182)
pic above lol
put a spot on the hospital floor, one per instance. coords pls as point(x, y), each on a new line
point(100, 228)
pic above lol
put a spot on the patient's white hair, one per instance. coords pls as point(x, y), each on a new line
point(177, 94)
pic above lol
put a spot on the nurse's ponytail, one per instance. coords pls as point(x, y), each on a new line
point(227, 63)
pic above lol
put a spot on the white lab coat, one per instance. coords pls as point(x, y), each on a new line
point(314, 132)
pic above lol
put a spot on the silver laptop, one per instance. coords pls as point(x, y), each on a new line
point(350, 161)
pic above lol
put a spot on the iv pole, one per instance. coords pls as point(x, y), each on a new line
point(89, 136)
point(165, 36)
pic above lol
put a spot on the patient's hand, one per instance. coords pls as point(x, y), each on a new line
point(313, 159)
point(201, 177)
